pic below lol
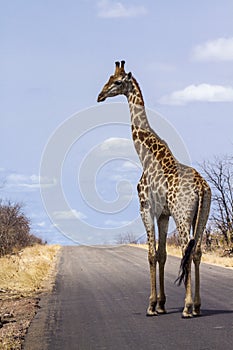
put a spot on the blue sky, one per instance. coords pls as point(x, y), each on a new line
point(55, 58)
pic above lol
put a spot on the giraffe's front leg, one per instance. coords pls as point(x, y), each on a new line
point(162, 256)
point(151, 310)
point(146, 210)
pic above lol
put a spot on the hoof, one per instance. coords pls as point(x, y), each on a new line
point(196, 313)
point(161, 311)
point(187, 315)
point(151, 313)
point(187, 311)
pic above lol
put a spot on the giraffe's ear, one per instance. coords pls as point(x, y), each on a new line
point(129, 75)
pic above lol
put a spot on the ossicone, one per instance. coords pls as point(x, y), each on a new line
point(119, 67)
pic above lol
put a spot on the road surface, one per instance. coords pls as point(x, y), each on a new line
point(100, 299)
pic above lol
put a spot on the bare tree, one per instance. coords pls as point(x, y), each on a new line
point(126, 238)
point(14, 228)
point(219, 174)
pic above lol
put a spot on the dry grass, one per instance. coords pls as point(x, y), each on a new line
point(214, 258)
point(27, 271)
point(23, 276)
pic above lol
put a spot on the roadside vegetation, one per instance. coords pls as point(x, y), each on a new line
point(14, 229)
point(27, 272)
point(24, 275)
point(219, 174)
point(27, 269)
point(25, 260)
point(217, 257)
point(214, 250)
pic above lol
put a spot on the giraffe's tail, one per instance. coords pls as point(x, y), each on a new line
point(204, 196)
point(183, 273)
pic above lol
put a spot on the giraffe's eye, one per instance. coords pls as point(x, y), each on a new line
point(117, 82)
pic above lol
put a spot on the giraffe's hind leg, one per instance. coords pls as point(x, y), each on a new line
point(200, 226)
point(197, 298)
point(185, 268)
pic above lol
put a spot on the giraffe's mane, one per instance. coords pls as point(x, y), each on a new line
point(138, 88)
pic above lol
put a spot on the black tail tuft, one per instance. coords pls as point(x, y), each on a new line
point(183, 273)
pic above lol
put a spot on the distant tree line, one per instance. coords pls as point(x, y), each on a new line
point(126, 238)
point(219, 231)
point(14, 228)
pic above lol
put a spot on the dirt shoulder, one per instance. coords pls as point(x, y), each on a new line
point(24, 277)
point(214, 258)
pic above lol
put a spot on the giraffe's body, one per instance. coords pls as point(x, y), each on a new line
point(166, 188)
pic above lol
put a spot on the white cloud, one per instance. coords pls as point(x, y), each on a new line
point(17, 178)
point(69, 214)
point(22, 181)
point(18, 181)
point(199, 93)
point(216, 50)
point(114, 142)
point(116, 9)
point(117, 148)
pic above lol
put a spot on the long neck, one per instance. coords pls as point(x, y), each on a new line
point(139, 123)
point(137, 108)
point(147, 143)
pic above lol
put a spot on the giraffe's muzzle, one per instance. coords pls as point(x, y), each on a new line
point(101, 97)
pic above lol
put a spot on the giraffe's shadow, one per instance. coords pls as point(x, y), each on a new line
point(204, 312)
point(212, 312)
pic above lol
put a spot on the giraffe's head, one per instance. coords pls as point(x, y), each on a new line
point(118, 84)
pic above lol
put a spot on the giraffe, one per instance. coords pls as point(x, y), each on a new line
point(166, 188)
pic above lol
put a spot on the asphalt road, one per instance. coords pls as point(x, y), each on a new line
point(100, 300)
